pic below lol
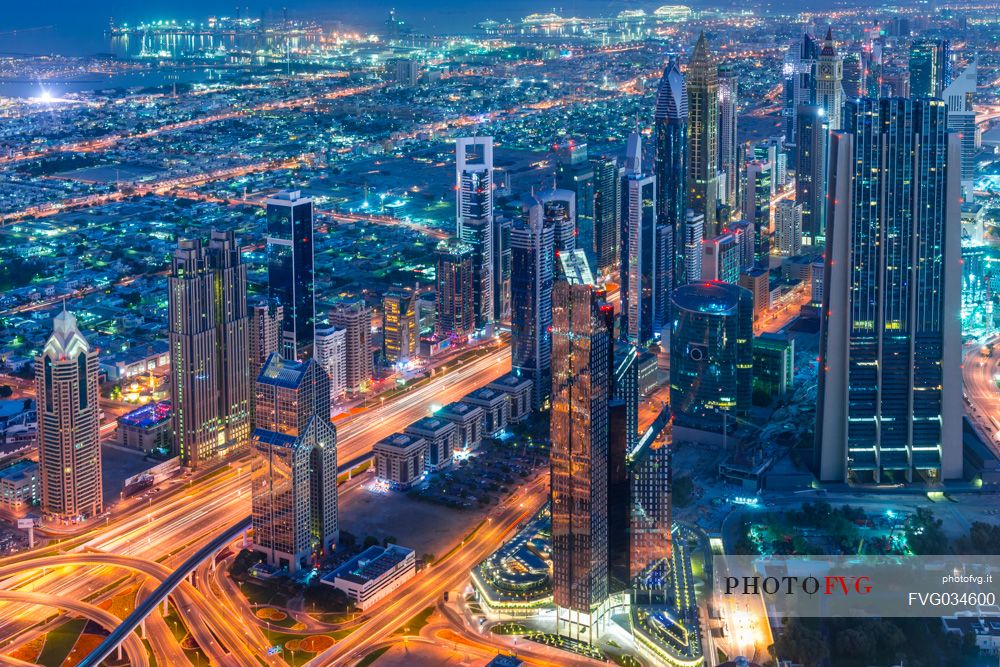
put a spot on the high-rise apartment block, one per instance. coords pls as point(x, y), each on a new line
point(356, 318)
point(208, 328)
point(69, 450)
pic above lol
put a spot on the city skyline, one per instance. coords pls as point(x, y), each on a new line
point(425, 335)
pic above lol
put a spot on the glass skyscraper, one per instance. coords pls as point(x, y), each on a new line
point(670, 124)
point(644, 257)
point(811, 141)
point(703, 127)
point(929, 67)
point(294, 464)
point(889, 406)
point(533, 267)
point(579, 460)
point(291, 268)
point(711, 354)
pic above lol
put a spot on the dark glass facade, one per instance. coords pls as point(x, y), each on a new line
point(290, 269)
point(711, 354)
point(888, 351)
point(810, 172)
point(533, 264)
point(670, 168)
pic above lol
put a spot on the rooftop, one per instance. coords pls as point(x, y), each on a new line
point(370, 564)
point(400, 440)
point(148, 416)
point(20, 471)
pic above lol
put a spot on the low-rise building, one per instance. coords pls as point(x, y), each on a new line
point(441, 436)
point(773, 364)
point(136, 361)
point(469, 420)
point(146, 428)
point(647, 370)
point(518, 390)
point(495, 405)
point(399, 459)
point(373, 574)
point(18, 423)
point(19, 485)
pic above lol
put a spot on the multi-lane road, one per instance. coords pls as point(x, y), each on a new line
point(171, 527)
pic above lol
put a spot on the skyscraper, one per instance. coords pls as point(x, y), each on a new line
point(208, 328)
point(607, 214)
point(579, 459)
point(797, 71)
point(810, 172)
point(290, 268)
point(670, 126)
point(711, 355)
point(829, 81)
point(854, 75)
point(331, 354)
point(294, 464)
point(575, 172)
point(650, 520)
point(560, 211)
point(960, 95)
point(264, 337)
point(721, 259)
point(69, 451)
point(788, 228)
point(533, 260)
point(929, 67)
point(265, 333)
point(501, 268)
point(694, 234)
point(757, 209)
point(399, 326)
point(474, 209)
point(640, 251)
point(728, 142)
point(703, 126)
point(455, 289)
point(889, 398)
point(356, 318)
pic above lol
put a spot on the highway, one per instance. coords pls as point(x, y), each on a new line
point(424, 590)
point(167, 529)
point(981, 395)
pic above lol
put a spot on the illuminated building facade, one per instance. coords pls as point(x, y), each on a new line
point(533, 259)
point(399, 326)
point(670, 168)
point(579, 459)
point(291, 268)
point(69, 450)
point(644, 257)
point(210, 379)
point(456, 315)
point(703, 127)
point(294, 464)
point(889, 401)
point(474, 210)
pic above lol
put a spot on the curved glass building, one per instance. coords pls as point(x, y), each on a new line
point(711, 354)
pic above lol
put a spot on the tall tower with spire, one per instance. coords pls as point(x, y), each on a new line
point(829, 81)
point(69, 452)
point(670, 163)
point(703, 125)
